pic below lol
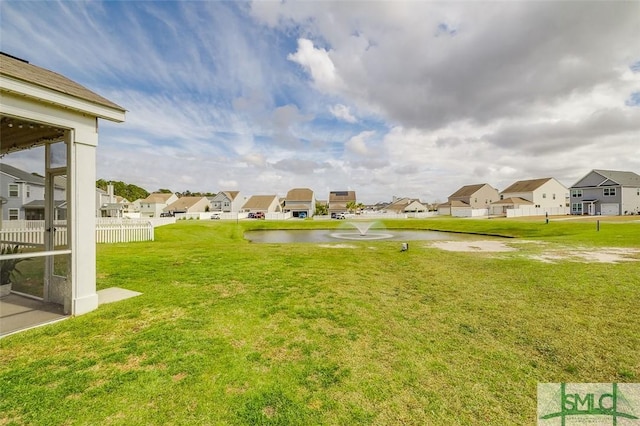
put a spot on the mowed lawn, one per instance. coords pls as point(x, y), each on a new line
point(232, 332)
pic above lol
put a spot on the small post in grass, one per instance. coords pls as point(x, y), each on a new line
point(546, 215)
point(598, 225)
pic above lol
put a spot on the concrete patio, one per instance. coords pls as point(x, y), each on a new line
point(19, 313)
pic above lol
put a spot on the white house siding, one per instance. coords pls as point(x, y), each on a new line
point(630, 200)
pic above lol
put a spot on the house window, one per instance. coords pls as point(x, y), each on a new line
point(609, 192)
point(28, 191)
point(501, 197)
point(554, 196)
point(576, 193)
point(14, 190)
point(576, 208)
point(544, 195)
point(14, 214)
point(226, 204)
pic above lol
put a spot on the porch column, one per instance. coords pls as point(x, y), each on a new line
point(82, 220)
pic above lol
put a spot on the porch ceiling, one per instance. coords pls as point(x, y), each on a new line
point(17, 134)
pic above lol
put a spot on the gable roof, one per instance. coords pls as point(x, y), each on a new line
point(158, 198)
point(299, 194)
point(467, 190)
point(620, 177)
point(342, 196)
point(184, 203)
point(454, 203)
point(21, 175)
point(526, 185)
point(231, 195)
point(257, 202)
point(513, 200)
point(24, 71)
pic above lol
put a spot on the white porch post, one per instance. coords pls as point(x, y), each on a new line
point(83, 230)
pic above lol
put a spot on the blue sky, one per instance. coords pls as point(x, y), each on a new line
point(385, 98)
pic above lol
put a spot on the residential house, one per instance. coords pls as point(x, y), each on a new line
point(155, 203)
point(338, 200)
point(533, 197)
point(188, 205)
point(606, 192)
point(226, 202)
point(474, 197)
point(24, 195)
point(300, 202)
point(405, 205)
point(262, 204)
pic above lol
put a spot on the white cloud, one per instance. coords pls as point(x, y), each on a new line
point(387, 98)
point(342, 112)
point(358, 143)
point(317, 62)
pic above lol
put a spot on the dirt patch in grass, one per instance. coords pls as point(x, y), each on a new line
point(477, 246)
point(599, 255)
point(549, 254)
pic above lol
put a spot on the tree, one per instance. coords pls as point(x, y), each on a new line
point(321, 209)
point(351, 206)
point(164, 191)
point(126, 190)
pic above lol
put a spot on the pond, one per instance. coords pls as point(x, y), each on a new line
point(338, 235)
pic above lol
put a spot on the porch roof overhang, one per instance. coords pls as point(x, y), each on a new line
point(25, 87)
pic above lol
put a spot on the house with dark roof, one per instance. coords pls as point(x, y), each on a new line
point(533, 197)
point(606, 192)
point(338, 200)
point(24, 195)
point(300, 202)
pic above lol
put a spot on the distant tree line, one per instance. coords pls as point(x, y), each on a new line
point(132, 192)
point(126, 190)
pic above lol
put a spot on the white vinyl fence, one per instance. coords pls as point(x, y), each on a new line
point(31, 233)
point(31, 237)
point(124, 232)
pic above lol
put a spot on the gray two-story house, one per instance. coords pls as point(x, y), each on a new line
point(23, 195)
point(606, 192)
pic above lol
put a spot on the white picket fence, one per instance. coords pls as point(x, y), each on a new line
point(124, 232)
point(31, 237)
point(32, 233)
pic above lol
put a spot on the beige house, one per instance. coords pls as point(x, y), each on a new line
point(338, 200)
point(188, 205)
point(406, 205)
point(262, 204)
point(534, 196)
point(155, 203)
point(477, 196)
point(300, 202)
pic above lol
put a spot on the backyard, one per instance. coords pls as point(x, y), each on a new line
point(232, 332)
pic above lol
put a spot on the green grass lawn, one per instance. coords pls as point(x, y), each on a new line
point(230, 332)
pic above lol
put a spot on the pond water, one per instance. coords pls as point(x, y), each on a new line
point(340, 235)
